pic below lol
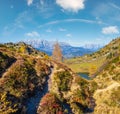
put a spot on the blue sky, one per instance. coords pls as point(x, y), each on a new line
point(77, 22)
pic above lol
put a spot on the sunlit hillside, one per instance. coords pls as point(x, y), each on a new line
point(92, 63)
point(29, 77)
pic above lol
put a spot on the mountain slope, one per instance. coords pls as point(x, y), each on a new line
point(94, 62)
point(24, 83)
point(107, 95)
point(31, 79)
point(25, 72)
point(105, 65)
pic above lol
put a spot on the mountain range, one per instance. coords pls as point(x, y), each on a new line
point(31, 82)
point(67, 50)
point(104, 67)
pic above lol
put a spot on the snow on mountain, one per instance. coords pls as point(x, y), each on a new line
point(93, 46)
point(67, 50)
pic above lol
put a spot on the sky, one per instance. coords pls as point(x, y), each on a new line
point(77, 22)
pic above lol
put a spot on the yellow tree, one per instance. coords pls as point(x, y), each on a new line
point(23, 49)
point(92, 70)
point(57, 53)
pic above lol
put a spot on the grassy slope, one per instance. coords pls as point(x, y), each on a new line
point(108, 93)
point(28, 71)
point(22, 69)
point(71, 88)
point(78, 65)
point(18, 78)
point(94, 61)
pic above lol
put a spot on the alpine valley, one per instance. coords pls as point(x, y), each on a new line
point(68, 51)
point(31, 82)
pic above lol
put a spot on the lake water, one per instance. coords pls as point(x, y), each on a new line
point(84, 75)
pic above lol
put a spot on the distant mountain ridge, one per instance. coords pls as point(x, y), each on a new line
point(104, 66)
point(29, 79)
point(96, 59)
point(67, 50)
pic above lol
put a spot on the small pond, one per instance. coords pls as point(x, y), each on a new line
point(84, 75)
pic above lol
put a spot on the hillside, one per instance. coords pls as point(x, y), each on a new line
point(22, 70)
point(30, 83)
point(107, 95)
point(106, 69)
point(94, 62)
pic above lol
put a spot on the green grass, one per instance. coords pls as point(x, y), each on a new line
point(82, 65)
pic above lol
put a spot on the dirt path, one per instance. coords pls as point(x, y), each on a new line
point(112, 86)
point(33, 102)
point(51, 77)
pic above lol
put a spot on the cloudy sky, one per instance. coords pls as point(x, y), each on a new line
point(77, 22)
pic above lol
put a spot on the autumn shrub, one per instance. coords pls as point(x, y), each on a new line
point(49, 104)
point(8, 103)
point(81, 82)
point(76, 108)
point(93, 86)
point(18, 77)
point(5, 62)
point(41, 68)
point(63, 79)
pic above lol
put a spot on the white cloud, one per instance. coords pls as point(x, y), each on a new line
point(33, 34)
point(62, 30)
point(71, 5)
point(49, 30)
point(29, 2)
point(42, 2)
point(45, 8)
point(71, 20)
point(115, 6)
point(110, 30)
point(18, 23)
point(68, 35)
